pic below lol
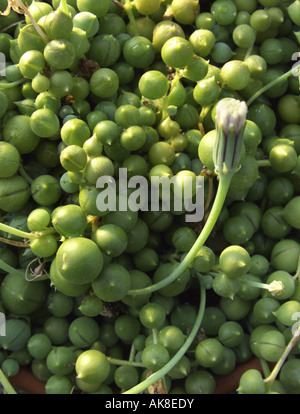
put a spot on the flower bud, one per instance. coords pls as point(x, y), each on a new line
point(230, 124)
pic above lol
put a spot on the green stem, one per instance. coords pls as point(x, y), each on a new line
point(271, 378)
point(179, 354)
point(14, 242)
point(35, 25)
point(265, 367)
point(249, 50)
point(46, 232)
point(164, 382)
point(270, 85)
point(214, 273)
point(176, 78)
point(248, 53)
point(275, 288)
point(264, 163)
point(6, 384)
point(173, 259)
point(164, 112)
point(10, 26)
point(116, 361)
point(155, 335)
point(129, 12)
point(119, 4)
point(132, 353)
point(297, 274)
point(16, 232)
point(224, 183)
point(7, 268)
point(24, 174)
point(165, 100)
point(5, 85)
point(259, 285)
point(25, 235)
point(204, 112)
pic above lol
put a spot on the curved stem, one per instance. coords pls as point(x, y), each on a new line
point(164, 112)
point(265, 367)
point(46, 232)
point(132, 353)
point(24, 234)
point(209, 195)
point(264, 163)
point(208, 227)
point(24, 174)
point(204, 111)
point(16, 232)
point(297, 274)
point(276, 287)
point(271, 378)
point(7, 268)
point(165, 99)
point(10, 26)
point(14, 243)
point(155, 335)
point(179, 354)
point(270, 85)
point(5, 85)
point(249, 50)
point(35, 25)
point(116, 361)
point(119, 4)
point(6, 384)
point(129, 12)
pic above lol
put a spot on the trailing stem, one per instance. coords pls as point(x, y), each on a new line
point(207, 229)
point(297, 274)
point(16, 232)
point(271, 378)
point(116, 361)
point(6, 384)
point(156, 376)
point(270, 85)
point(129, 12)
point(7, 268)
point(23, 234)
point(19, 7)
point(7, 85)
point(264, 163)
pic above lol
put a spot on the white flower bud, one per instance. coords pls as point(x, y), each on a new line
point(230, 123)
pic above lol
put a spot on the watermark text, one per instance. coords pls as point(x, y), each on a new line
point(2, 324)
point(179, 194)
